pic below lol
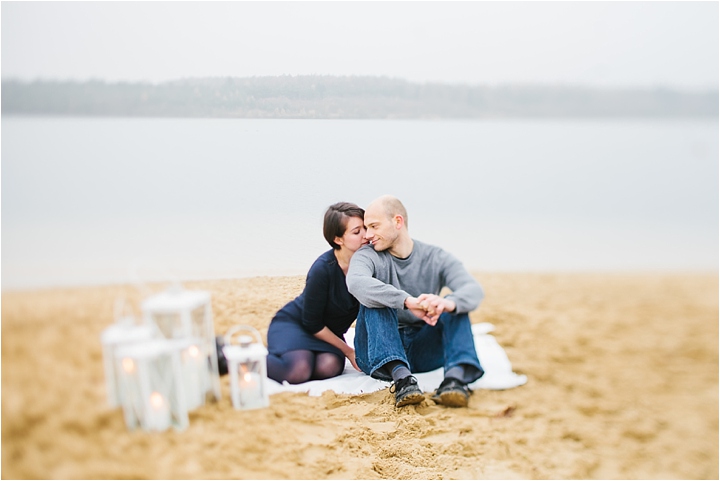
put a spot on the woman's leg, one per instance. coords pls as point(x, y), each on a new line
point(294, 367)
point(327, 365)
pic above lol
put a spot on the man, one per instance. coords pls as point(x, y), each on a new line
point(403, 325)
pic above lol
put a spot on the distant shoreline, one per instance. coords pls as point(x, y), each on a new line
point(331, 97)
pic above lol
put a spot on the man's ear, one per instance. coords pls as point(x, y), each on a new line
point(399, 221)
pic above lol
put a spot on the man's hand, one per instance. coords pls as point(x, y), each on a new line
point(413, 305)
point(428, 307)
point(434, 306)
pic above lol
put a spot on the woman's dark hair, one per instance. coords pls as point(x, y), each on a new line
point(336, 219)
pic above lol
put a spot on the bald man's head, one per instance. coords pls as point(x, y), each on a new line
point(386, 224)
point(391, 206)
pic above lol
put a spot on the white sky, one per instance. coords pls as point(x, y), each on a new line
point(619, 44)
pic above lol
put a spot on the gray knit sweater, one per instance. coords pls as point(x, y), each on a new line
point(378, 279)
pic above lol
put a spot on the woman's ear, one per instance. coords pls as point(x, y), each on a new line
point(338, 241)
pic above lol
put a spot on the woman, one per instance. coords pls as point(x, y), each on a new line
point(305, 338)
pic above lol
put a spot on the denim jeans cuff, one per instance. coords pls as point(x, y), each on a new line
point(472, 371)
point(377, 371)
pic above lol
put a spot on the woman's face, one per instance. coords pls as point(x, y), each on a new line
point(354, 236)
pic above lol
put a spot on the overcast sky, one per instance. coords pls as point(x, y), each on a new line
point(618, 44)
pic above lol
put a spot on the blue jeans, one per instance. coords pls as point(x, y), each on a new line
point(421, 347)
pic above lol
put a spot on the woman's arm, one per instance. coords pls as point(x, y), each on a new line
point(325, 334)
point(317, 288)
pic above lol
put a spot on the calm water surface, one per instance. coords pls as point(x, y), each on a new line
point(87, 201)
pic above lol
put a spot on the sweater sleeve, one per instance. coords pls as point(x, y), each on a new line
point(466, 292)
point(368, 290)
point(316, 293)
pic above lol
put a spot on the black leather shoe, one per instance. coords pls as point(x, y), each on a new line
point(407, 392)
point(453, 393)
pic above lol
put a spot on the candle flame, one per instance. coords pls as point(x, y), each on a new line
point(193, 351)
point(247, 376)
point(156, 400)
point(128, 365)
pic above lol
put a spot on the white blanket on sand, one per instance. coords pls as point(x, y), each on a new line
point(498, 372)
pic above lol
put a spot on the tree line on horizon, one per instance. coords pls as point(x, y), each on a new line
point(347, 97)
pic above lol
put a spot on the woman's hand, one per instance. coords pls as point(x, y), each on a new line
point(325, 334)
point(350, 354)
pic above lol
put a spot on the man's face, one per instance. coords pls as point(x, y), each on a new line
point(381, 231)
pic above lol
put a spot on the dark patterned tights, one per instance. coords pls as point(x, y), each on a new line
point(300, 366)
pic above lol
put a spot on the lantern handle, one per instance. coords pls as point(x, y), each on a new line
point(241, 328)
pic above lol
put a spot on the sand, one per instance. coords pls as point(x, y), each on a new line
point(622, 383)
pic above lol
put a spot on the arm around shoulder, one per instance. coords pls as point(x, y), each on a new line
point(367, 289)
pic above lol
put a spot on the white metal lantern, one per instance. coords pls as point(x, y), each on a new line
point(183, 314)
point(247, 367)
point(150, 378)
point(124, 331)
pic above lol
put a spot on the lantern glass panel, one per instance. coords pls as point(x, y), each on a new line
point(202, 327)
point(169, 323)
point(252, 388)
point(200, 323)
point(195, 373)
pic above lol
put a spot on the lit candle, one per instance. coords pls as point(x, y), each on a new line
point(251, 395)
point(128, 365)
point(158, 414)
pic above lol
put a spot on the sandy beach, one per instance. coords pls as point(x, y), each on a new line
point(622, 383)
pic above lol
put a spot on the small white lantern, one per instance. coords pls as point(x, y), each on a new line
point(124, 331)
point(247, 367)
point(181, 314)
point(150, 378)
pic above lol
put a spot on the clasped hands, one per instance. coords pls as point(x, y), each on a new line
point(429, 307)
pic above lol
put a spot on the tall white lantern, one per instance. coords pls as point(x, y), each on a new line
point(187, 315)
point(247, 368)
point(123, 332)
point(150, 377)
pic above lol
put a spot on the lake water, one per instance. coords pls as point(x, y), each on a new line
point(88, 201)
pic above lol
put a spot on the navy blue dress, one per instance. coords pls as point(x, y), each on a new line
point(325, 302)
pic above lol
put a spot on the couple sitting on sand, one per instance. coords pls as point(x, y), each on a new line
point(391, 287)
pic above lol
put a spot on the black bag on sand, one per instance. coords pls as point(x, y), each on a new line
point(222, 362)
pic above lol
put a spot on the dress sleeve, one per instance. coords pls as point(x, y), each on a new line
point(317, 287)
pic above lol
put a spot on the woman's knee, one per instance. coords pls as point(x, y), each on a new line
point(299, 370)
point(294, 367)
point(328, 365)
